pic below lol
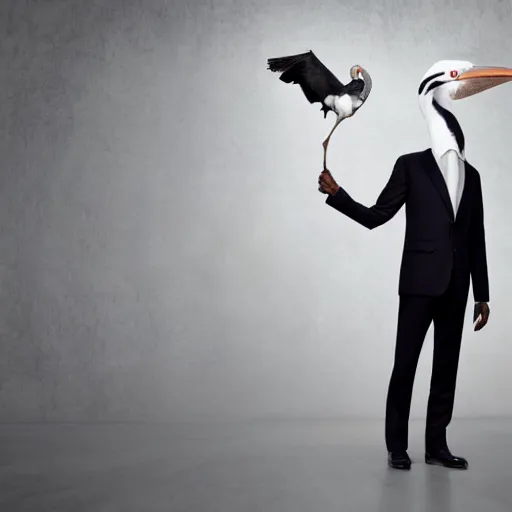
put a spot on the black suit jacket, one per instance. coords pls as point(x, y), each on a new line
point(435, 241)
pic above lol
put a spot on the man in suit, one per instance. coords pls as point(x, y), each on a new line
point(442, 250)
point(444, 247)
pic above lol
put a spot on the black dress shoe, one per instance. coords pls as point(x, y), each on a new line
point(446, 459)
point(399, 460)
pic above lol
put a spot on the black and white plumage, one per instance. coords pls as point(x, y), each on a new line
point(320, 85)
point(448, 80)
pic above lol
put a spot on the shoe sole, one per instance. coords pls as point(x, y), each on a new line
point(438, 463)
point(404, 467)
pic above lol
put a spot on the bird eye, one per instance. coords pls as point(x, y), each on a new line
point(454, 73)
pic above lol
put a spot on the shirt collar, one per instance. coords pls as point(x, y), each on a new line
point(440, 149)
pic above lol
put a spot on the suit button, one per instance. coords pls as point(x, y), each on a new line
point(454, 250)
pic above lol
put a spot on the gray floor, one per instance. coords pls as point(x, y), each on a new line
point(308, 466)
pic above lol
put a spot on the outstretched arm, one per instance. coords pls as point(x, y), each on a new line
point(390, 200)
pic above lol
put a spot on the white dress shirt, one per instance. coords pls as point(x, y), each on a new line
point(451, 164)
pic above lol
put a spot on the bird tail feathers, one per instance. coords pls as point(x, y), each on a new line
point(279, 64)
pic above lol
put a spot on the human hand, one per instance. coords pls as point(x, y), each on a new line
point(480, 315)
point(327, 183)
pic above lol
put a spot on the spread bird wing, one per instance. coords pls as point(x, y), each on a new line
point(315, 79)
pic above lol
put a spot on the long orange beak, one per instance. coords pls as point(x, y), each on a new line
point(481, 78)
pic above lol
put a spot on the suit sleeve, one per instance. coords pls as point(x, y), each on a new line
point(390, 200)
point(477, 249)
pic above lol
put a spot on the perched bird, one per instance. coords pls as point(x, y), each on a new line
point(320, 85)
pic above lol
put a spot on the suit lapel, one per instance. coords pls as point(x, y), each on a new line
point(437, 178)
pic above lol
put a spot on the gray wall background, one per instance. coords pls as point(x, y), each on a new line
point(164, 251)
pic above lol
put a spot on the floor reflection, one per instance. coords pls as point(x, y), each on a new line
point(438, 487)
point(404, 491)
point(397, 491)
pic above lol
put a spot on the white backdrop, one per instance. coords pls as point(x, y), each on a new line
point(177, 261)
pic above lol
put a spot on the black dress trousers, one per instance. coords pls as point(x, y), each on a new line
point(415, 315)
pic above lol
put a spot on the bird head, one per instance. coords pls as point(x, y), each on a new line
point(448, 80)
point(356, 72)
point(359, 73)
